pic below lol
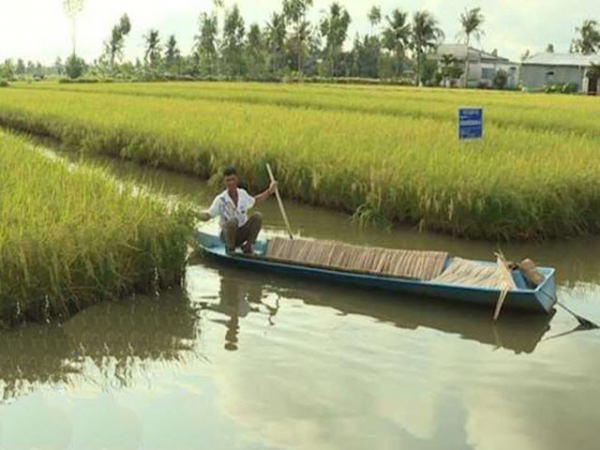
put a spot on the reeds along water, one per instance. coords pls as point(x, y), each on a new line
point(533, 176)
point(71, 236)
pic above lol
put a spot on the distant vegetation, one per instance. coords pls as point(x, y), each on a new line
point(71, 237)
point(380, 153)
point(399, 47)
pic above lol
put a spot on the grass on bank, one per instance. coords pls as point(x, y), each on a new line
point(70, 236)
point(519, 182)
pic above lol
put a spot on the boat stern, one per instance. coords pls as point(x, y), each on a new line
point(545, 293)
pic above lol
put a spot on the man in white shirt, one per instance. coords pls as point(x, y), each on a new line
point(231, 206)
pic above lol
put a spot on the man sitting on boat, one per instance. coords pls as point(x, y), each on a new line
point(231, 206)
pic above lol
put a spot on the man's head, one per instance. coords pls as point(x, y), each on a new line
point(230, 178)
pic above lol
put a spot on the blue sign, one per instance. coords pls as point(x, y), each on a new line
point(470, 123)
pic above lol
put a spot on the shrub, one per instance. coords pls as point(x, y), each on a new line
point(75, 67)
point(501, 79)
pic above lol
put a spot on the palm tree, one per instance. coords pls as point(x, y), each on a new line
point(589, 38)
point(374, 17)
point(448, 63)
point(396, 37)
point(295, 12)
point(471, 22)
point(276, 30)
point(72, 9)
point(114, 45)
point(206, 42)
point(334, 27)
point(172, 55)
point(153, 48)
point(426, 36)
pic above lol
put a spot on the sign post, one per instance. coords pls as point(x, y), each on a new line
point(470, 123)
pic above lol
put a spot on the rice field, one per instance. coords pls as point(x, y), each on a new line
point(382, 153)
point(71, 236)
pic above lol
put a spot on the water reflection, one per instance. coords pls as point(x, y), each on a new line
point(239, 295)
point(110, 345)
point(245, 292)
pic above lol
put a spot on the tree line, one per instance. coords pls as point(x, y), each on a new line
point(397, 47)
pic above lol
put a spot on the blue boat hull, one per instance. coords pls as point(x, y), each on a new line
point(541, 299)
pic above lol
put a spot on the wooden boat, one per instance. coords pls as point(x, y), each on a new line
point(541, 299)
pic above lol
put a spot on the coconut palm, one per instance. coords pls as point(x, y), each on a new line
point(425, 36)
point(588, 41)
point(449, 67)
point(471, 22)
point(207, 42)
point(334, 27)
point(396, 37)
point(276, 31)
point(232, 45)
point(374, 17)
point(173, 55)
point(152, 55)
point(115, 44)
point(295, 11)
point(72, 9)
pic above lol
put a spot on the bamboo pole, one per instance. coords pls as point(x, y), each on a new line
point(280, 202)
point(506, 285)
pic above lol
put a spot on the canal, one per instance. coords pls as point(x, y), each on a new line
point(238, 360)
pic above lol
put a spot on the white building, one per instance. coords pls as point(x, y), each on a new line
point(546, 69)
point(483, 66)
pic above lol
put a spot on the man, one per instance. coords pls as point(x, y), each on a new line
point(231, 206)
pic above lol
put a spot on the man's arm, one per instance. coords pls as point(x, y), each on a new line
point(211, 212)
point(204, 216)
point(266, 194)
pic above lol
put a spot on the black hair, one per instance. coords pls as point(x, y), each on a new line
point(228, 171)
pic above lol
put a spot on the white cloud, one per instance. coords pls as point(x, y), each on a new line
point(38, 30)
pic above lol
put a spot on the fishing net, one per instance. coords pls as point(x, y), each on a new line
point(419, 265)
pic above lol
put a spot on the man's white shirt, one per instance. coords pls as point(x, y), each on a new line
point(224, 207)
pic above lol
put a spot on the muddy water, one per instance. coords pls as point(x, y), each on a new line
point(237, 360)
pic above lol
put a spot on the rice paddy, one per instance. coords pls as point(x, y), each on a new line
point(71, 236)
point(382, 153)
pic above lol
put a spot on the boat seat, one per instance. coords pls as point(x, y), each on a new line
point(420, 265)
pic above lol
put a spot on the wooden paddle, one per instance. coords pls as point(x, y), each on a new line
point(280, 202)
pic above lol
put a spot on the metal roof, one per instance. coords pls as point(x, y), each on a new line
point(460, 51)
point(562, 59)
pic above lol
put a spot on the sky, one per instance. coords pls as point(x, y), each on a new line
point(38, 30)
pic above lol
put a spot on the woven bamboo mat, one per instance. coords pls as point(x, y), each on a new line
point(471, 273)
point(419, 265)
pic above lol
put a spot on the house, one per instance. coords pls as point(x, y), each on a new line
point(546, 69)
point(483, 66)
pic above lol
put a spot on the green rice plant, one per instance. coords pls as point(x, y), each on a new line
point(520, 182)
point(71, 236)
